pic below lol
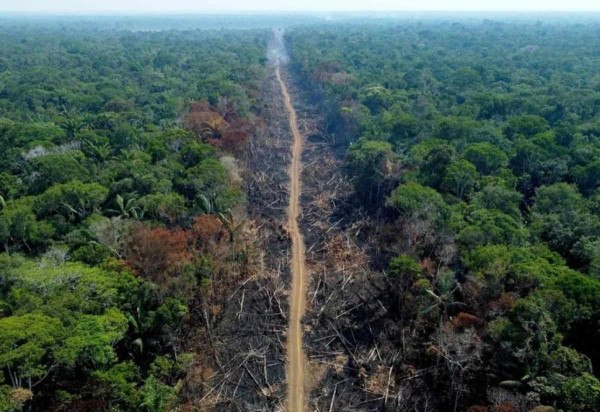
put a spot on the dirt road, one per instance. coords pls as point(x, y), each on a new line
point(295, 352)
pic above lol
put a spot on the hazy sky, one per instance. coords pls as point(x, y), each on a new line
point(295, 5)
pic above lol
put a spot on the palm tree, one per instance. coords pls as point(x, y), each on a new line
point(231, 224)
point(213, 127)
point(206, 125)
point(206, 206)
point(87, 121)
point(442, 291)
point(100, 151)
point(71, 125)
point(126, 209)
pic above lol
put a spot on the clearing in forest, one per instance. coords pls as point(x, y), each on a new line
point(295, 352)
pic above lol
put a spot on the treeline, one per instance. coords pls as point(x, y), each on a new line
point(476, 147)
point(120, 193)
point(152, 22)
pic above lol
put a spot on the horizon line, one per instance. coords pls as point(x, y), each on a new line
point(288, 11)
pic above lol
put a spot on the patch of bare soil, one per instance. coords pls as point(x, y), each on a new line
point(295, 337)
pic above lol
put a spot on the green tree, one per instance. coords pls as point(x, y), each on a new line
point(415, 201)
point(486, 157)
point(157, 396)
point(499, 198)
point(168, 207)
point(91, 340)
point(377, 98)
point(527, 126)
point(587, 177)
point(561, 216)
point(581, 393)
point(27, 345)
point(74, 200)
point(20, 228)
point(118, 384)
point(371, 163)
point(433, 158)
point(485, 226)
point(460, 178)
point(457, 128)
point(403, 128)
point(51, 169)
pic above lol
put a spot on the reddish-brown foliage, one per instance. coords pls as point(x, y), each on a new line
point(465, 320)
point(205, 125)
point(234, 140)
point(225, 130)
point(505, 302)
point(208, 228)
point(227, 109)
point(505, 407)
point(157, 253)
point(428, 266)
point(200, 106)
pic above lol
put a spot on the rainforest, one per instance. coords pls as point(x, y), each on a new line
point(300, 212)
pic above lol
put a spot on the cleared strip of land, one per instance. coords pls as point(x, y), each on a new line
point(295, 351)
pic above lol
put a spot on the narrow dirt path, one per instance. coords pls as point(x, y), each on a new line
point(295, 351)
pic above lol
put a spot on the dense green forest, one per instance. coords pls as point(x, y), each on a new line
point(143, 165)
point(477, 147)
point(119, 183)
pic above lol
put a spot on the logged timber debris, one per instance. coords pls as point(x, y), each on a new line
point(241, 346)
point(356, 351)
